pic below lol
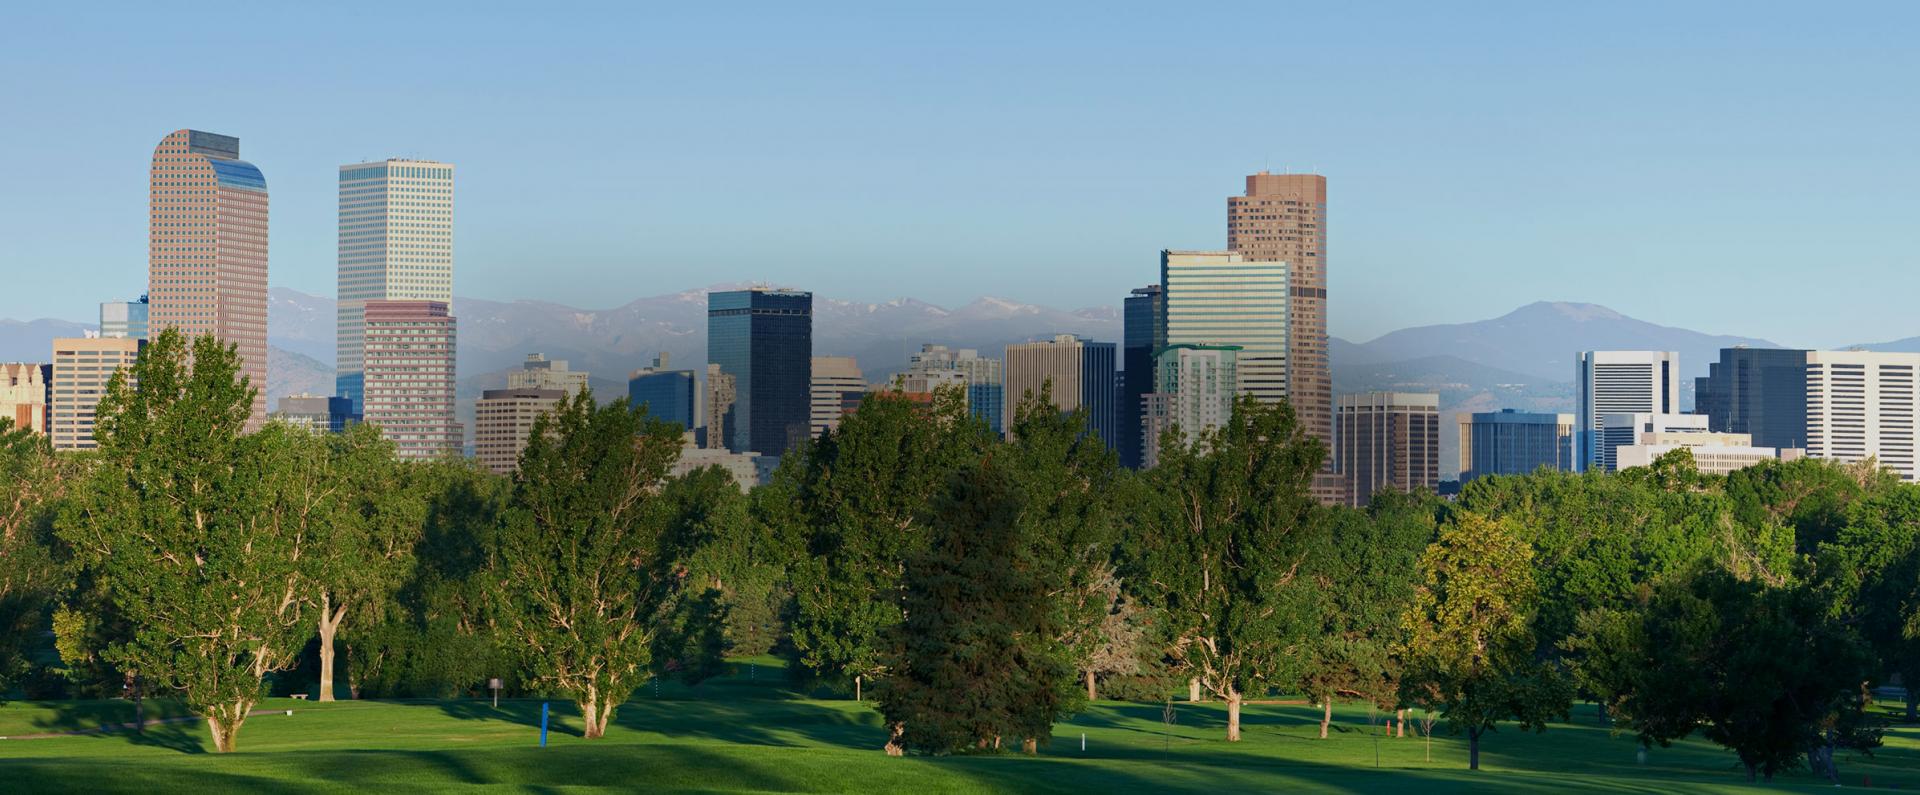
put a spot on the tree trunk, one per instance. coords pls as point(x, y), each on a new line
point(329, 626)
point(1750, 773)
point(1193, 689)
point(1326, 715)
point(1233, 715)
point(225, 724)
point(1400, 723)
point(856, 688)
point(596, 708)
point(1093, 693)
point(1030, 746)
point(1473, 749)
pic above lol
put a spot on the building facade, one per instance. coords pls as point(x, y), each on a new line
point(1140, 325)
point(1222, 298)
point(407, 359)
point(126, 319)
point(1193, 391)
point(81, 368)
point(1509, 442)
point(1619, 382)
point(719, 406)
point(1860, 405)
point(207, 249)
point(980, 375)
point(1081, 374)
point(316, 413)
point(833, 377)
point(666, 394)
point(24, 394)
point(540, 372)
point(1387, 440)
point(1621, 430)
point(763, 338)
point(1761, 392)
point(503, 421)
point(1283, 218)
point(1714, 452)
point(396, 244)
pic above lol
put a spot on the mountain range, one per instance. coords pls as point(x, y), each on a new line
point(1523, 359)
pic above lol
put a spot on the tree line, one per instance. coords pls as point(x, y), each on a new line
point(976, 590)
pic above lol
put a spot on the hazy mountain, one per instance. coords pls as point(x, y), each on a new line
point(293, 373)
point(1540, 339)
point(1908, 345)
point(32, 340)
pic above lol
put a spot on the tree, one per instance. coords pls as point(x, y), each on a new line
point(1870, 573)
point(1758, 669)
point(584, 574)
point(734, 563)
point(1222, 549)
point(364, 518)
point(857, 509)
point(1469, 648)
point(1366, 575)
point(184, 522)
point(31, 480)
point(978, 656)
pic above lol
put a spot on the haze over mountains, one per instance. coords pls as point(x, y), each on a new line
point(1523, 359)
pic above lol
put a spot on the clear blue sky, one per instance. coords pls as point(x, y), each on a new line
point(1735, 168)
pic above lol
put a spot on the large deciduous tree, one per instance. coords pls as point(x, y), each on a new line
point(584, 573)
point(189, 528)
point(1469, 648)
point(30, 482)
point(1223, 547)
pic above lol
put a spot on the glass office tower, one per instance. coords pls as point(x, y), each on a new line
point(763, 339)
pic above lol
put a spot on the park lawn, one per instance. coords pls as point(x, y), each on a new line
point(740, 735)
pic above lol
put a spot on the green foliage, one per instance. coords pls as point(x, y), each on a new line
point(979, 655)
point(1469, 649)
point(31, 481)
point(858, 508)
point(584, 567)
point(1755, 668)
point(1365, 578)
point(734, 571)
point(194, 531)
point(1226, 529)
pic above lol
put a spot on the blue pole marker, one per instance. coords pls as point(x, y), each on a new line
point(543, 724)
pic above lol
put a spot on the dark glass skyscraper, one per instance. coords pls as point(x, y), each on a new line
point(666, 394)
point(764, 340)
point(1141, 320)
point(1757, 391)
point(1509, 442)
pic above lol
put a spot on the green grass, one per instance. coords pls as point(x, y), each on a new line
point(737, 734)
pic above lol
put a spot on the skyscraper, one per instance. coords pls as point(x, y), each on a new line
point(407, 351)
point(1194, 387)
point(207, 249)
point(763, 338)
point(1388, 440)
point(833, 377)
point(1080, 372)
point(1283, 218)
point(1509, 442)
point(1222, 298)
point(1761, 392)
point(721, 394)
point(1860, 405)
point(1140, 324)
point(126, 319)
point(317, 413)
point(81, 368)
point(1619, 382)
point(666, 394)
point(986, 395)
point(396, 244)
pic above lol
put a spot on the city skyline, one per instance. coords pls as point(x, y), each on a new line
point(1541, 163)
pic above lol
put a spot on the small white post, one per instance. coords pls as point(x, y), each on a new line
point(1083, 741)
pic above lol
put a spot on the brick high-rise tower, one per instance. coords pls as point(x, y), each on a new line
point(1283, 218)
point(207, 249)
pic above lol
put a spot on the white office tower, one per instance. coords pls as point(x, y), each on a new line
point(1219, 298)
point(1620, 382)
point(396, 244)
point(1623, 430)
point(1860, 405)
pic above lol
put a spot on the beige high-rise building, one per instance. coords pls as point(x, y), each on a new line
point(503, 421)
point(1388, 440)
point(81, 368)
point(396, 244)
point(1283, 218)
point(23, 395)
point(540, 372)
point(408, 352)
point(207, 249)
point(1081, 375)
point(833, 378)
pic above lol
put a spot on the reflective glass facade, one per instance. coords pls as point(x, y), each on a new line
point(764, 340)
point(1141, 325)
point(665, 395)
